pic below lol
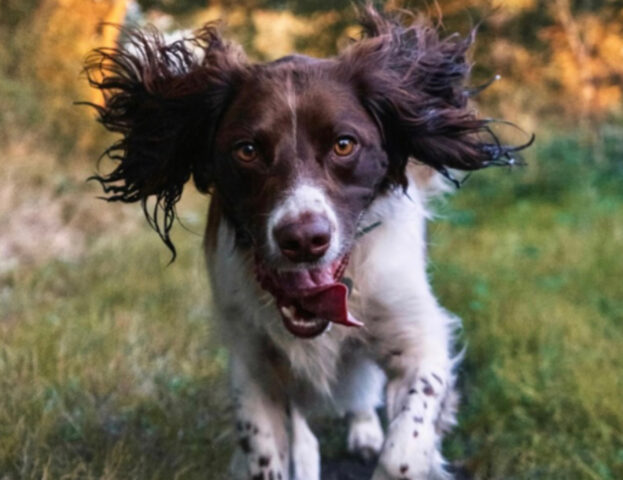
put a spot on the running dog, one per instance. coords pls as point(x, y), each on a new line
point(319, 172)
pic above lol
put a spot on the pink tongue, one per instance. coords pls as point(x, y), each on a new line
point(314, 293)
point(330, 304)
point(298, 280)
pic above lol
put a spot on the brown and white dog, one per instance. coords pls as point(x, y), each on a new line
point(319, 170)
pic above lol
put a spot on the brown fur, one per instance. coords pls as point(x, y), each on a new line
point(167, 101)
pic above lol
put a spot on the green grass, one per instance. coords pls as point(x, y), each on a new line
point(108, 368)
point(533, 267)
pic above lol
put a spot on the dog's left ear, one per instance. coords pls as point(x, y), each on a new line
point(412, 82)
point(165, 99)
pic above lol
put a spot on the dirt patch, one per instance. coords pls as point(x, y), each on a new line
point(347, 469)
point(353, 469)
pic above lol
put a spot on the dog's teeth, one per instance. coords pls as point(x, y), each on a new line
point(304, 324)
point(289, 312)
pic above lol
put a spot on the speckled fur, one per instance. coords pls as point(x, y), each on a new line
point(407, 334)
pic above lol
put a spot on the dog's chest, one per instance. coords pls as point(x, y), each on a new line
point(248, 318)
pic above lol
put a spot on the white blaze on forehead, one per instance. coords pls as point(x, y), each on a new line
point(291, 99)
point(297, 202)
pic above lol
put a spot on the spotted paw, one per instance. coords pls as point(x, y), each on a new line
point(257, 454)
point(409, 453)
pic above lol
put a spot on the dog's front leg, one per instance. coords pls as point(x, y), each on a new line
point(261, 426)
point(411, 450)
point(420, 401)
point(305, 452)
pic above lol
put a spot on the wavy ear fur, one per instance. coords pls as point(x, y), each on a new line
point(412, 82)
point(165, 100)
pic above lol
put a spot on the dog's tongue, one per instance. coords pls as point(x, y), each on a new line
point(315, 291)
point(330, 303)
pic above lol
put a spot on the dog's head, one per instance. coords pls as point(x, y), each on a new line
point(296, 149)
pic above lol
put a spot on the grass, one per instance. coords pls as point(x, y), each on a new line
point(531, 265)
point(109, 370)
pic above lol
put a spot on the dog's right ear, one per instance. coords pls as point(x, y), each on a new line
point(165, 99)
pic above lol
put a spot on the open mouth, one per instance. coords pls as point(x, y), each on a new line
point(309, 300)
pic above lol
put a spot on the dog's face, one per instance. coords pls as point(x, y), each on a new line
point(298, 158)
point(294, 149)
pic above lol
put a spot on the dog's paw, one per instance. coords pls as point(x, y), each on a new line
point(410, 453)
point(266, 465)
point(365, 435)
point(257, 456)
point(259, 466)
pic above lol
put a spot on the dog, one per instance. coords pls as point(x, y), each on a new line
point(319, 171)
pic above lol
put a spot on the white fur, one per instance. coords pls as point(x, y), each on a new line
point(305, 451)
point(406, 333)
point(365, 435)
point(261, 428)
point(304, 198)
point(359, 386)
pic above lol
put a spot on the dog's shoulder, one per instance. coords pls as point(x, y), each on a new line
point(389, 261)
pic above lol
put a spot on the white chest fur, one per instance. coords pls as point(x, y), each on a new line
point(386, 266)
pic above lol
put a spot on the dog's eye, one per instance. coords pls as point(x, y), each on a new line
point(245, 152)
point(344, 146)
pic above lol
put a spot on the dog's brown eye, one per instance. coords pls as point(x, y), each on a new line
point(246, 152)
point(344, 146)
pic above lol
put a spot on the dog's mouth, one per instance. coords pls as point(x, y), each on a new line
point(309, 300)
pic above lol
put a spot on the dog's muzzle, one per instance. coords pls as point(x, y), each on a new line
point(309, 299)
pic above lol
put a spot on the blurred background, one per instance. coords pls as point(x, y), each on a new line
point(108, 368)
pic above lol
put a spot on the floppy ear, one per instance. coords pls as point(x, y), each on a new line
point(413, 84)
point(165, 100)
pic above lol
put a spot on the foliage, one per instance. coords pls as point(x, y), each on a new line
point(40, 64)
point(547, 52)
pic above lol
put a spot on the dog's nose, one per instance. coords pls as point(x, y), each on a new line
point(304, 240)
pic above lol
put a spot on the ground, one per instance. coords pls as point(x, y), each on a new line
point(109, 369)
